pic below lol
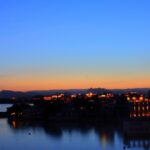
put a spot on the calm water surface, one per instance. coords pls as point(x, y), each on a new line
point(24, 135)
point(3, 107)
point(43, 136)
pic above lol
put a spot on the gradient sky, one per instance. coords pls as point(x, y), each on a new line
point(62, 44)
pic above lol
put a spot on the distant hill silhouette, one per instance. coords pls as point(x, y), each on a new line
point(9, 94)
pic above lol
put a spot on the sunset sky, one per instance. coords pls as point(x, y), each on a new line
point(65, 44)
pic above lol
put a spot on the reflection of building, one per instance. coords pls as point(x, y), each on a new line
point(137, 128)
point(137, 142)
point(140, 128)
point(106, 133)
point(137, 134)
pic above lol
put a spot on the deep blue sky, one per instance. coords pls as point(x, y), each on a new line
point(47, 44)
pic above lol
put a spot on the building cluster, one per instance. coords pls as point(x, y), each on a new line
point(77, 106)
point(135, 97)
point(71, 97)
point(139, 105)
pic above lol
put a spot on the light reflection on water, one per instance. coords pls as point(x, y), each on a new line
point(84, 136)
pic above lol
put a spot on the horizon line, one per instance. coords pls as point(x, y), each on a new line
point(67, 89)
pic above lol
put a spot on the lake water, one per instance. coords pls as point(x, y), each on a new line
point(23, 135)
point(3, 107)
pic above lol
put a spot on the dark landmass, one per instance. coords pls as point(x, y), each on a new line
point(80, 107)
point(7, 94)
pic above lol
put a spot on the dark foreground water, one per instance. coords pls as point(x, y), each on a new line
point(27, 135)
point(24, 135)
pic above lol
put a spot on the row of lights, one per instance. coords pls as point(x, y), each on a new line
point(88, 95)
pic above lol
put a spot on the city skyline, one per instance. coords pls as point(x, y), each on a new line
point(72, 44)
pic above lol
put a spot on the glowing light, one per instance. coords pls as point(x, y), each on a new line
point(141, 98)
point(13, 114)
point(54, 97)
point(89, 94)
point(128, 98)
point(147, 107)
point(60, 95)
point(73, 96)
point(134, 98)
point(47, 98)
point(102, 96)
point(143, 108)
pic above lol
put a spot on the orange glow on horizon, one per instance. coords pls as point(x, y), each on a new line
point(67, 82)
